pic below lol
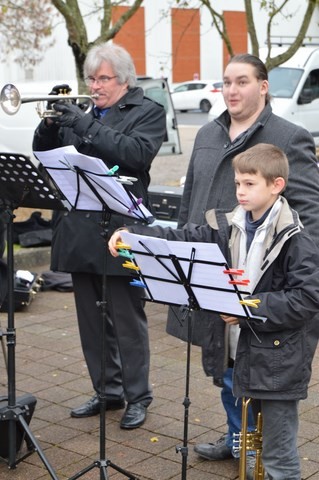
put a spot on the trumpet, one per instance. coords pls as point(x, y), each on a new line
point(11, 101)
point(249, 441)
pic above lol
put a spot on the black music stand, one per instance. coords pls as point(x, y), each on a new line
point(21, 185)
point(199, 279)
point(92, 186)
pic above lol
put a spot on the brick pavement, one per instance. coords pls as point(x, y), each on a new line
point(50, 366)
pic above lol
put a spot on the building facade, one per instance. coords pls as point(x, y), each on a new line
point(167, 41)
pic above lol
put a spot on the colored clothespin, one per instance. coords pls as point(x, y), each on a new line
point(250, 302)
point(113, 170)
point(239, 282)
point(137, 283)
point(131, 266)
point(121, 245)
point(126, 180)
point(234, 271)
point(125, 253)
point(135, 205)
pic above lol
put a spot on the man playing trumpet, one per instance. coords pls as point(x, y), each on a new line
point(124, 129)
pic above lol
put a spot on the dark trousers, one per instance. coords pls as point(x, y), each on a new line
point(127, 342)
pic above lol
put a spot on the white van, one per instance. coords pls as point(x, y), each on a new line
point(294, 89)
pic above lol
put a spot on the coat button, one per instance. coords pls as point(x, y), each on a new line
point(276, 343)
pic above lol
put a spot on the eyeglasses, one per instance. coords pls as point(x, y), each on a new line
point(100, 81)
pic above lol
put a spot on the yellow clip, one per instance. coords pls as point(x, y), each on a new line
point(130, 265)
point(250, 302)
point(123, 246)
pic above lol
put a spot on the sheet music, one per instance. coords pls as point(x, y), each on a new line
point(210, 285)
point(61, 164)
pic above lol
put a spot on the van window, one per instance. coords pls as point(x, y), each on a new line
point(283, 81)
point(312, 83)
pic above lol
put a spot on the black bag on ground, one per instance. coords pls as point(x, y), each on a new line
point(36, 238)
point(60, 281)
point(27, 402)
point(26, 284)
point(33, 224)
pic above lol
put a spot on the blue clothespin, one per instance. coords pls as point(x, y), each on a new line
point(125, 253)
point(137, 283)
point(113, 170)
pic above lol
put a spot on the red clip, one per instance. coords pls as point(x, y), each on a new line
point(234, 271)
point(239, 282)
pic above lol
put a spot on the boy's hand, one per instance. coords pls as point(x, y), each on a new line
point(230, 320)
point(115, 238)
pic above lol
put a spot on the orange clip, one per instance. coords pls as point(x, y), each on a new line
point(239, 282)
point(234, 271)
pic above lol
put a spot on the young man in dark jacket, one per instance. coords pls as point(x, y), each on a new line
point(124, 129)
point(209, 184)
point(273, 354)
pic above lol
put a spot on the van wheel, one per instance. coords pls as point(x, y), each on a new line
point(205, 106)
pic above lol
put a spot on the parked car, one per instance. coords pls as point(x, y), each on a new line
point(196, 94)
point(294, 89)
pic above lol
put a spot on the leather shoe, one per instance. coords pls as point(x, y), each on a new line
point(92, 407)
point(134, 416)
point(214, 451)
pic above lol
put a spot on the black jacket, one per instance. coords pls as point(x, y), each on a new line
point(130, 135)
point(278, 365)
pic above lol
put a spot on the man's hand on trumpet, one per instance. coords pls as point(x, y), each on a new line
point(70, 114)
point(114, 240)
point(61, 89)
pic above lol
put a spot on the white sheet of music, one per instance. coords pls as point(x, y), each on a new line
point(61, 164)
point(208, 281)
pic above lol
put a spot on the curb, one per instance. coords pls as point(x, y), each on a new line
point(29, 258)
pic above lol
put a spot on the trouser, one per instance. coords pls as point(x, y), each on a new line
point(127, 343)
point(233, 408)
point(279, 448)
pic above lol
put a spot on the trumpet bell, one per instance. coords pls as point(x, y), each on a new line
point(10, 99)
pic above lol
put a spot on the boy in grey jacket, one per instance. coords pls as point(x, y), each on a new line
point(272, 359)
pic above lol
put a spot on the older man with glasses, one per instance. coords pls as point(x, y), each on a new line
point(124, 129)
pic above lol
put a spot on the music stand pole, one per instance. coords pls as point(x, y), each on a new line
point(184, 449)
point(15, 413)
point(103, 462)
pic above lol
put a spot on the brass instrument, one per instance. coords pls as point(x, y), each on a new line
point(11, 101)
point(249, 441)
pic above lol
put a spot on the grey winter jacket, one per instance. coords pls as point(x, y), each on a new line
point(129, 135)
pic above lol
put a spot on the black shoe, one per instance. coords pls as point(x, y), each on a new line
point(214, 451)
point(92, 407)
point(134, 416)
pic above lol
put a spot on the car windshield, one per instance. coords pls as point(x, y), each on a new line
point(283, 81)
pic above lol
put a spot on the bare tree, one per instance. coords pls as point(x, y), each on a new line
point(26, 27)
point(274, 10)
point(26, 30)
point(77, 31)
